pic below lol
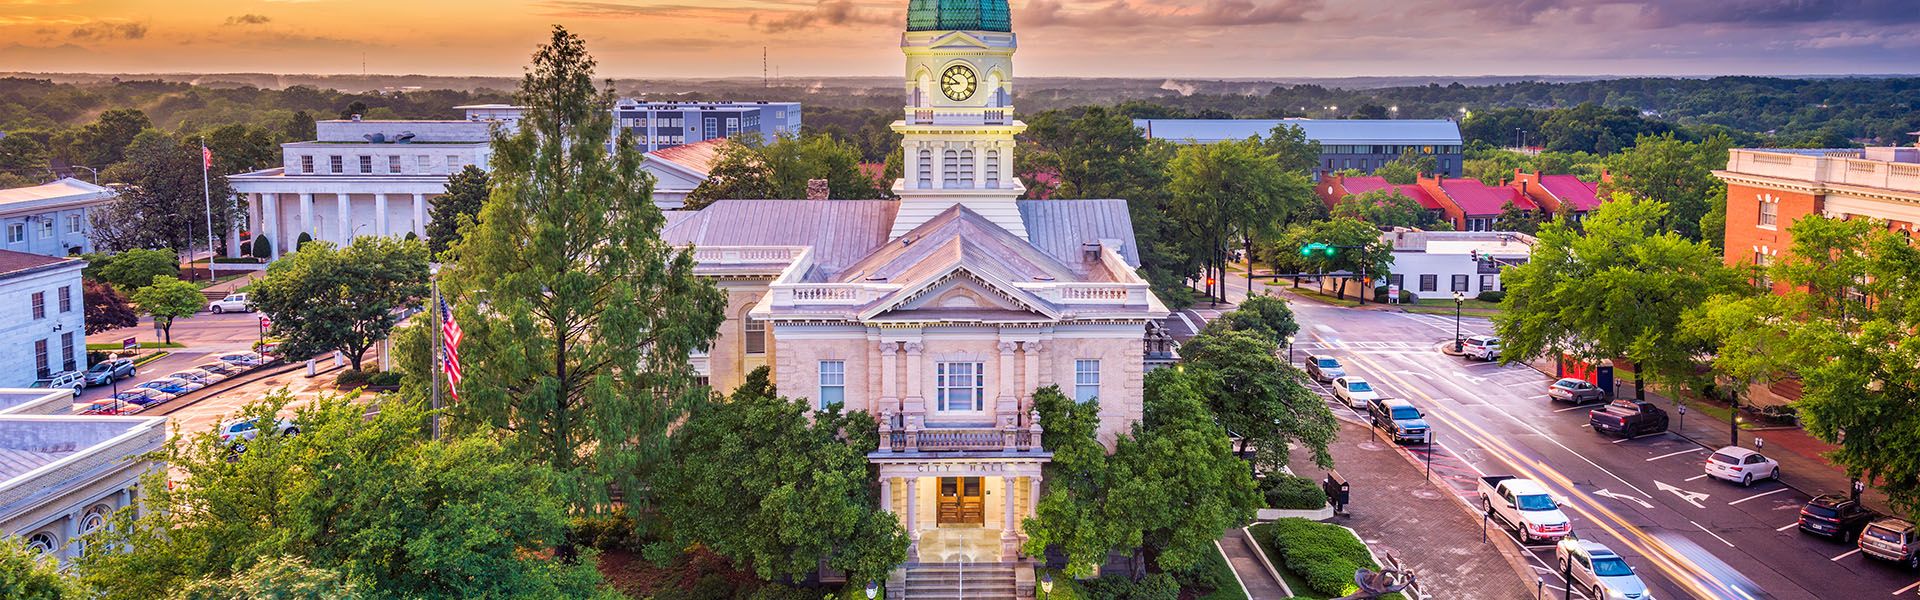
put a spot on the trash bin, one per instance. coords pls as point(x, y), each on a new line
point(1339, 492)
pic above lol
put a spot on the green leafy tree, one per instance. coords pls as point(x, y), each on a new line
point(283, 578)
point(1100, 154)
point(466, 192)
point(1176, 485)
point(1408, 167)
point(1358, 248)
point(22, 155)
point(1259, 398)
point(1266, 317)
point(132, 269)
point(302, 241)
point(1677, 172)
point(1233, 191)
point(578, 318)
point(105, 308)
point(1070, 516)
point(1291, 148)
point(1514, 218)
point(739, 173)
point(240, 147)
point(1616, 289)
point(1385, 207)
point(361, 493)
point(773, 485)
point(324, 299)
point(26, 574)
point(163, 205)
point(167, 299)
point(781, 168)
point(104, 141)
point(263, 247)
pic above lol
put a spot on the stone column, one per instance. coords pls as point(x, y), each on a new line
point(420, 216)
point(886, 489)
point(380, 215)
point(1004, 378)
point(1029, 373)
point(913, 525)
point(916, 401)
point(889, 376)
point(268, 207)
point(306, 218)
point(345, 202)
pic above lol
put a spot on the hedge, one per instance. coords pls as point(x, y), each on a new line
point(1324, 555)
point(1491, 296)
point(1286, 491)
point(1157, 586)
point(1213, 576)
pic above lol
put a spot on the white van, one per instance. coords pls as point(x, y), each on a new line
point(235, 302)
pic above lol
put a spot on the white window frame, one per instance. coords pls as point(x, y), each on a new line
point(753, 336)
point(16, 233)
point(1769, 212)
point(46, 228)
point(833, 383)
point(1086, 379)
point(73, 224)
point(956, 380)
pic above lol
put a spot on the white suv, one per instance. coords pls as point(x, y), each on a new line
point(232, 303)
point(1481, 347)
point(1354, 391)
point(1742, 466)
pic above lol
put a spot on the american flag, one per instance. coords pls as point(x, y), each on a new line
point(450, 349)
point(206, 157)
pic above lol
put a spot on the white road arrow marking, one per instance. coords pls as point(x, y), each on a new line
point(1624, 498)
point(1693, 498)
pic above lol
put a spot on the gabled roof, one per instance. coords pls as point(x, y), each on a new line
point(698, 157)
point(958, 236)
point(840, 231)
point(1583, 196)
point(1363, 184)
point(1477, 198)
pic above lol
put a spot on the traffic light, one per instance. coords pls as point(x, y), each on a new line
point(1312, 249)
point(1474, 254)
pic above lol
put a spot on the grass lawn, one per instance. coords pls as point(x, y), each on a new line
point(1325, 298)
point(112, 346)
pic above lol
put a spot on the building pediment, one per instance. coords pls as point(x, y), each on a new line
point(960, 292)
point(958, 39)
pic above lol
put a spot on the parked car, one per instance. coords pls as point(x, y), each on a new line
point(73, 380)
point(238, 432)
point(108, 371)
point(171, 385)
point(1741, 465)
point(1399, 419)
point(110, 406)
point(1354, 391)
point(1599, 571)
point(200, 376)
point(1891, 539)
point(1481, 347)
point(1835, 516)
point(143, 396)
point(1324, 368)
point(1576, 391)
point(232, 303)
point(220, 368)
point(1524, 506)
point(1628, 418)
point(244, 359)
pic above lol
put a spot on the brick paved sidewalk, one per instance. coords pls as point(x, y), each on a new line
point(1423, 524)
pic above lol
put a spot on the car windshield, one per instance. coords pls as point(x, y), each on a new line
point(1358, 386)
point(1878, 533)
point(99, 367)
point(1327, 363)
point(1535, 502)
point(1724, 458)
point(1405, 412)
point(1821, 511)
point(1611, 567)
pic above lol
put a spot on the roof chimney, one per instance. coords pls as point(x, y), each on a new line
point(817, 189)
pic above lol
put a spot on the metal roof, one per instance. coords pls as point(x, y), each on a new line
point(63, 192)
point(959, 15)
point(1061, 227)
point(1325, 131)
point(841, 232)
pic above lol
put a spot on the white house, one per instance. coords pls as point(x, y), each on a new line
point(1435, 264)
point(64, 475)
point(53, 219)
point(42, 319)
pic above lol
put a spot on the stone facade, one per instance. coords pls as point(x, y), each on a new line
point(35, 322)
point(65, 476)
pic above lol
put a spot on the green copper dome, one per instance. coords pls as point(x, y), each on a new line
point(963, 15)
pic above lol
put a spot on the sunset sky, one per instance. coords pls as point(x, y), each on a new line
point(1146, 38)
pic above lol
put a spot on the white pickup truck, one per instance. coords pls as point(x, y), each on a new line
point(1524, 506)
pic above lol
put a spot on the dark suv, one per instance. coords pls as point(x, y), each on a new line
point(1835, 516)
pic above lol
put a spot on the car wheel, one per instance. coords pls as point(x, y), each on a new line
point(1913, 562)
point(218, 310)
point(1746, 480)
point(1486, 505)
point(1776, 474)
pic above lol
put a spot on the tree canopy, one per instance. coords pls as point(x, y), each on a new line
point(163, 205)
point(751, 169)
point(466, 191)
point(1384, 207)
point(105, 307)
point(324, 298)
point(132, 269)
point(167, 299)
point(1678, 173)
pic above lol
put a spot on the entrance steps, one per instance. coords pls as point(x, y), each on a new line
point(957, 581)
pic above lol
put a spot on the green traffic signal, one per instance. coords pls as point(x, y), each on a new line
point(1318, 248)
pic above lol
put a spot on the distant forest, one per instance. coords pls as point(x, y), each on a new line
point(43, 119)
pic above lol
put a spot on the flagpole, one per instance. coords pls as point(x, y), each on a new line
point(206, 195)
point(439, 358)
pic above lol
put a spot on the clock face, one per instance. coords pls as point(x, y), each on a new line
point(958, 82)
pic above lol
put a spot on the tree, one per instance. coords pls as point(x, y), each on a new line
point(466, 192)
point(1676, 172)
point(1397, 173)
point(579, 359)
point(104, 141)
point(1266, 317)
point(105, 307)
point(738, 173)
point(132, 269)
point(283, 578)
point(1291, 148)
point(26, 574)
point(302, 241)
point(1101, 154)
point(300, 127)
point(1384, 207)
point(1176, 484)
point(1070, 516)
point(781, 168)
point(167, 299)
point(1257, 397)
point(1616, 289)
point(1514, 218)
point(263, 247)
point(1357, 248)
point(163, 206)
point(357, 492)
point(1233, 190)
point(775, 486)
point(240, 148)
point(325, 299)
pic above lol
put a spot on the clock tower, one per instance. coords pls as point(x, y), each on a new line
point(958, 123)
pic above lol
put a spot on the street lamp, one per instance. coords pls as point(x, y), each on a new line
point(1458, 300)
point(873, 589)
point(1046, 584)
point(1289, 350)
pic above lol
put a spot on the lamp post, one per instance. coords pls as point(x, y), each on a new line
point(1046, 585)
point(873, 589)
point(1289, 350)
point(1458, 299)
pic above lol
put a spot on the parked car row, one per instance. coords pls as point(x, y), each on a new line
point(165, 388)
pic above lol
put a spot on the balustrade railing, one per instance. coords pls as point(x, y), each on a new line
point(912, 436)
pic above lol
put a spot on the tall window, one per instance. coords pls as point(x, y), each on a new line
point(337, 164)
point(306, 164)
point(1086, 380)
point(66, 352)
point(756, 332)
point(366, 165)
point(1769, 212)
point(16, 233)
point(46, 229)
point(423, 163)
point(925, 169)
point(1459, 283)
point(961, 385)
point(966, 168)
point(1761, 260)
point(73, 223)
point(833, 383)
point(393, 164)
point(66, 299)
point(1429, 283)
point(40, 357)
point(950, 170)
point(993, 168)
point(39, 305)
point(1486, 283)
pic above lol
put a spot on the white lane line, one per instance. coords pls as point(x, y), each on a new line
point(1697, 477)
point(1522, 383)
point(1907, 589)
point(1622, 440)
point(1537, 397)
point(1323, 328)
point(1759, 495)
point(1688, 451)
point(1574, 407)
point(1850, 553)
point(1789, 526)
point(1716, 535)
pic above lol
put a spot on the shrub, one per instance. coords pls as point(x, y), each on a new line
point(262, 247)
point(1211, 579)
point(350, 379)
point(1292, 493)
point(301, 242)
point(1158, 586)
point(1491, 296)
point(1323, 555)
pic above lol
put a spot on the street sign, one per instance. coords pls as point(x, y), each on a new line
point(265, 322)
point(130, 343)
point(1393, 293)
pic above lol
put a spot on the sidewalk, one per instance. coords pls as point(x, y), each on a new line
point(1252, 571)
point(1425, 525)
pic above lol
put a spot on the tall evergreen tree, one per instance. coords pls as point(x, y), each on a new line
point(578, 318)
point(466, 192)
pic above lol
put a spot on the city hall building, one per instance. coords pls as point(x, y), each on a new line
point(942, 312)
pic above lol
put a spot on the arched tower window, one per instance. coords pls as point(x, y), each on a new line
point(993, 168)
point(924, 169)
point(966, 168)
point(923, 90)
point(950, 170)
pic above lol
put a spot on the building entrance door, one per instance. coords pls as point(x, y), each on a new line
point(961, 501)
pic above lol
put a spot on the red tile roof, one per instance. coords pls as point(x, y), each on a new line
point(14, 262)
point(1479, 199)
point(1364, 184)
point(1583, 196)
